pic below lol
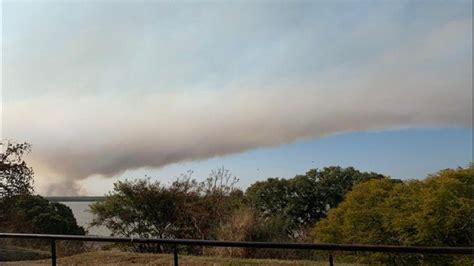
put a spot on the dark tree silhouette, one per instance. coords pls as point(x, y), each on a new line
point(16, 178)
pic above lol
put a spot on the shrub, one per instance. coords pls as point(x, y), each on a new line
point(437, 211)
point(186, 209)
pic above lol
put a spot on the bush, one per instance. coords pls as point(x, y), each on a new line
point(35, 214)
point(437, 211)
point(186, 209)
point(245, 225)
point(239, 227)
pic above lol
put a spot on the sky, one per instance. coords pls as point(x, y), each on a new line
point(109, 90)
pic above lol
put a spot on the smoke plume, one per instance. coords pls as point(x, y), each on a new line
point(81, 128)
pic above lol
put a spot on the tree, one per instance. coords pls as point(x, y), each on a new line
point(20, 211)
point(334, 182)
point(299, 202)
point(359, 218)
point(437, 211)
point(443, 214)
point(137, 208)
point(16, 177)
point(218, 198)
point(185, 209)
point(38, 215)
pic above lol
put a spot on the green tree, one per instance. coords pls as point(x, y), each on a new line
point(185, 209)
point(137, 208)
point(20, 211)
point(334, 182)
point(299, 202)
point(38, 215)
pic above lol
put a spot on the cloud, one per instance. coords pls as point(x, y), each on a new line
point(425, 81)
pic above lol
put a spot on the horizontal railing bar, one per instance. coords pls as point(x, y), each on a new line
point(241, 244)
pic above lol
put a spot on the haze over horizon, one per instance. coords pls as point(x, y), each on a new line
point(110, 90)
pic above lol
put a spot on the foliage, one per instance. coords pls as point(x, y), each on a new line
point(20, 211)
point(238, 227)
point(293, 204)
point(128, 210)
point(48, 217)
point(16, 177)
point(437, 211)
point(35, 214)
point(186, 209)
point(245, 225)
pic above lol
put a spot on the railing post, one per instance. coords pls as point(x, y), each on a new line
point(53, 252)
point(175, 255)
point(331, 262)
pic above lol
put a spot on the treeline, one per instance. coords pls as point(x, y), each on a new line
point(74, 198)
point(334, 204)
point(329, 205)
point(283, 209)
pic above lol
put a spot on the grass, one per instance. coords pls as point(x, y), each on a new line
point(13, 253)
point(126, 258)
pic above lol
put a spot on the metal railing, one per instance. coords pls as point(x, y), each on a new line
point(241, 244)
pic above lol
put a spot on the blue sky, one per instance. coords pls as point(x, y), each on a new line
point(106, 90)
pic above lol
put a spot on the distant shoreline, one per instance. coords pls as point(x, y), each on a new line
point(75, 198)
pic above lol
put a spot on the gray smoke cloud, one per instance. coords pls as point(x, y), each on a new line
point(84, 129)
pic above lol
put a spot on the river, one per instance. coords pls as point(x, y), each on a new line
point(80, 209)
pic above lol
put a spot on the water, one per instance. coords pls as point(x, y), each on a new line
point(84, 217)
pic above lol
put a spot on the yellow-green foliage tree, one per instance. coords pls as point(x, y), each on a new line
point(437, 211)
